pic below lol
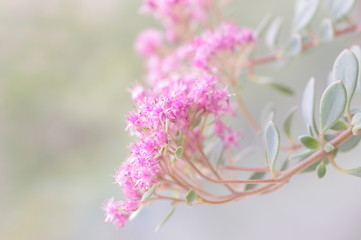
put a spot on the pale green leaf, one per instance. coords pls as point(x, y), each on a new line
point(272, 33)
point(355, 172)
point(333, 104)
point(301, 154)
point(135, 213)
point(294, 45)
point(262, 26)
point(304, 12)
point(356, 50)
point(339, 8)
point(148, 193)
point(254, 176)
point(326, 32)
point(287, 123)
point(321, 170)
point(309, 142)
point(350, 143)
point(339, 126)
point(308, 106)
point(191, 197)
point(166, 218)
point(276, 86)
point(179, 152)
point(272, 139)
point(345, 69)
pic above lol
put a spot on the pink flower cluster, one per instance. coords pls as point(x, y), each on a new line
point(201, 52)
point(163, 113)
point(227, 38)
point(177, 15)
point(182, 91)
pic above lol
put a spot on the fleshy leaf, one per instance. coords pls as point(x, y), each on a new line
point(261, 27)
point(339, 126)
point(276, 86)
point(308, 106)
point(333, 104)
point(272, 138)
point(273, 32)
point(345, 69)
point(148, 193)
point(166, 218)
point(321, 170)
point(350, 143)
point(356, 50)
point(309, 142)
point(294, 45)
point(254, 176)
point(304, 12)
point(301, 154)
point(326, 32)
point(191, 197)
point(179, 152)
point(355, 172)
point(287, 123)
point(339, 8)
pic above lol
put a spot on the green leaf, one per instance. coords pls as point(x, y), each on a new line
point(313, 167)
point(276, 86)
point(191, 197)
point(350, 143)
point(294, 45)
point(356, 122)
point(308, 106)
point(272, 138)
point(326, 32)
point(179, 152)
point(166, 218)
point(134, 214)
point(355, 172)
point(272, 33)
point(285, 165)
point(148, 193)
point(356, 50)
point(287, 123)
point(301, 154)
point(321, 170)
point(328, 147)
point(254, 176)
point(309, 142)
point(304, 12)
point(345, 69)
point(356, 118)
point(261, 27)
point(339, 8)
point(339, 126)
point(333, 104)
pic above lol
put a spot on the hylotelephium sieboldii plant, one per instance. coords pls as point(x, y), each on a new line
point(192, 84)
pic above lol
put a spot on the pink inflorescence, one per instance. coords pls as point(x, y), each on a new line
point(227, 38)
point(178, 15)
point(183, 92)
point(165, 112)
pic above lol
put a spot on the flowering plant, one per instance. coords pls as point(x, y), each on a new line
point(191, 91)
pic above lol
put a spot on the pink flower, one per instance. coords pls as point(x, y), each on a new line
point(118, 212)
point(148, 43)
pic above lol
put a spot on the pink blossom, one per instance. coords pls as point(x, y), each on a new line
point(148, 43)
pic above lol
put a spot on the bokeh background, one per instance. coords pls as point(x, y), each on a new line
point(65, 66)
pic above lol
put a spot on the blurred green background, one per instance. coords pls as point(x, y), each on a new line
point(65, 67)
